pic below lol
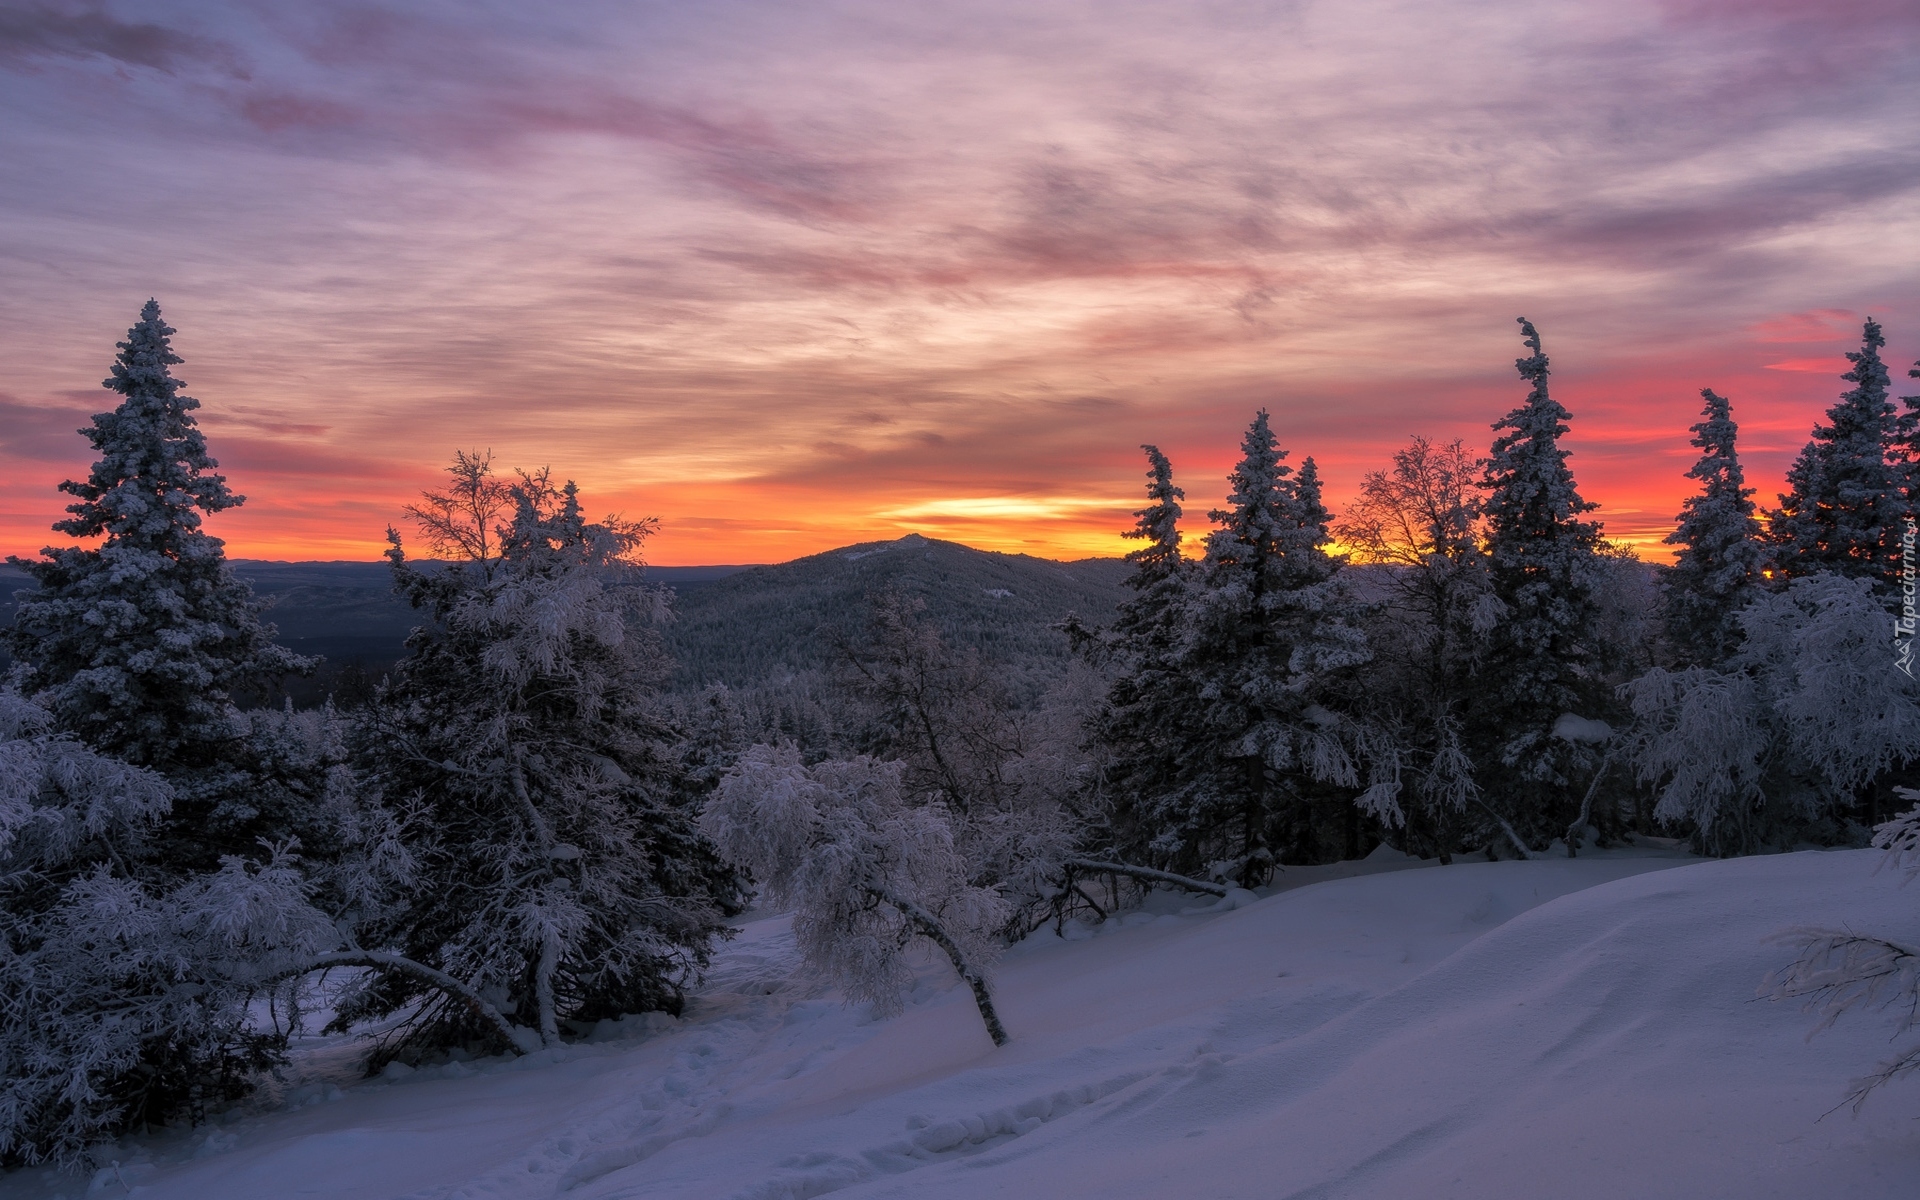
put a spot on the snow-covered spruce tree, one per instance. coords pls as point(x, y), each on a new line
point(1779, 738)
point(1541, 658)
point(1269, 633)
point(1840, 970)
point(137, 645)
point(1717, 566)
point(1417, 526)
point(714, 733)
point(123, 982)
point(1136, 732)
point(1906, 449)
point(867, 872)
point(537, 828)
point(1843, 509)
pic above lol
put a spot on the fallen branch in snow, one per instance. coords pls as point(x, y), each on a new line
point(931, 929)
point(381, 960)
point(1146, 875)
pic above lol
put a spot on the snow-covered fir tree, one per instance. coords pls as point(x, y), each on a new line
point(1418, 526)
point(124, 982)
point(1136, 729)
point(867, 870)
point(1542, 659)
point(138, 645)
point(522, 779)
point(715, 732)
point(1845, 501)
point(1268, 631)
point(1905, 451)
point(1720, 554)
point(1148, 618)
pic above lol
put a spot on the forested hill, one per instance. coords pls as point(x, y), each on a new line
point(347, 612)
point(343, 612)
point(737, 625)
point(763, 622)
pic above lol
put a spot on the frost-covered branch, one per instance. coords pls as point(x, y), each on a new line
point(1146, 875)
point(1519, 845)
point(1818, 655)
point(1703, 737)
point(1838, 971)
point(866, 871)
point(1586, 804)
point(1900, 837)
point(383, 961)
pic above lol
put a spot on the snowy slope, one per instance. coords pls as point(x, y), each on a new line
point(1553, 1028)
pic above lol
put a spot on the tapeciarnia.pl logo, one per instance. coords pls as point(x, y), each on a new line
point(1903, 625)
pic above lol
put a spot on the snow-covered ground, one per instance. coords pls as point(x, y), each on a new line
point(1558, 1028)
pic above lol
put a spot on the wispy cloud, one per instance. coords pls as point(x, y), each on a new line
point(42, 31)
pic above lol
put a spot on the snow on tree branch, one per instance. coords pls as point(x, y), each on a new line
point(1900, 837)
point(1819, 651)
point(865, 871)
point(123, 990)
point(1699, 735)
point(1837, 972)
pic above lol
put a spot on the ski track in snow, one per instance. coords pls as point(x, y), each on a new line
point(1561, 1027)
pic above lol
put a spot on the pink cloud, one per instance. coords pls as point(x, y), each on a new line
point(1821, 366)
point(773, 270)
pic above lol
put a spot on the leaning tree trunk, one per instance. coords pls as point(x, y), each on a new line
point(930, 927)
point(440, 980)
point(543, 989)
point(1586, 805)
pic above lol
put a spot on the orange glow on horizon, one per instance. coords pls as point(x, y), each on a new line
point(1629, 446)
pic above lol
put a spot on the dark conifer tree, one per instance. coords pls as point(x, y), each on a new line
point(1906, 449)
point(138, 646)
point(543, 848)
point(1268, 632)
point(1542, 658)
point(1719, 561)
point(134, 934)
point(1842, 512)
point(1139, 729)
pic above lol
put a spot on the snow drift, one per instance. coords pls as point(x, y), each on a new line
point(1563, 1028)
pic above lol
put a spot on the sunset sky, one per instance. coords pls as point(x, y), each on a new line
point(791, 274)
